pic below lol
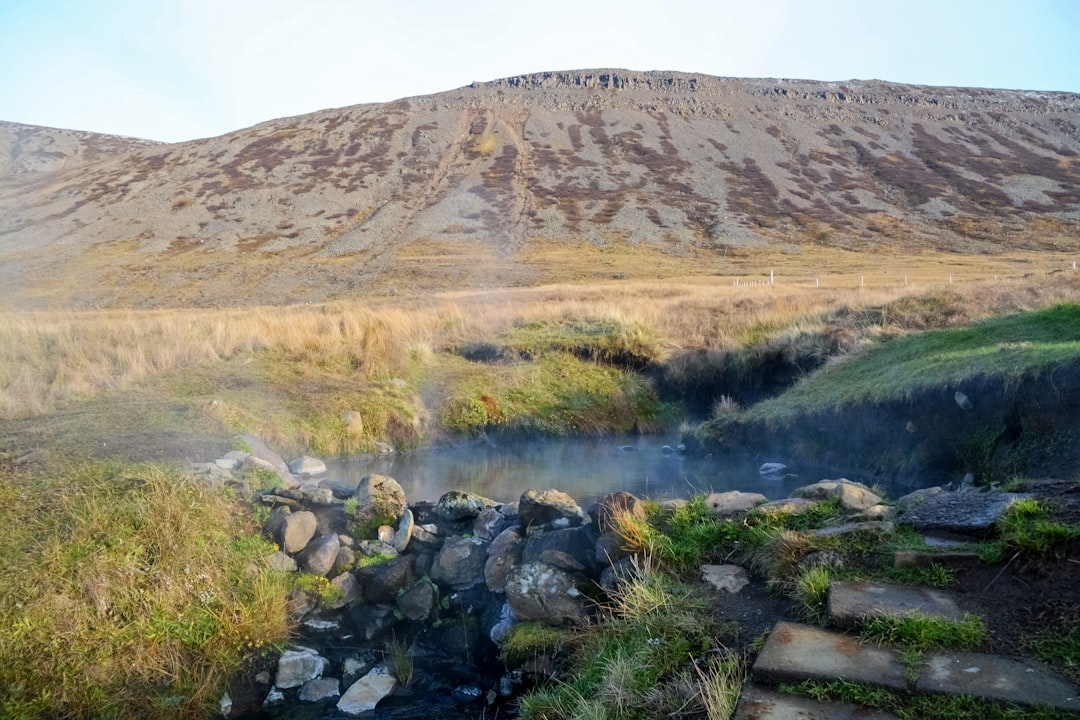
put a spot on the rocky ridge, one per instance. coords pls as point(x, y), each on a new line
point(677, 162)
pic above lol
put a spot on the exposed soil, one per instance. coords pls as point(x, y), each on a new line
point(1020, 599)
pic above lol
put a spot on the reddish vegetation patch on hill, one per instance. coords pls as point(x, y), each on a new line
point(688, 162)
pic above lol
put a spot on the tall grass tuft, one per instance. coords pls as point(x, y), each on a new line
point(130, 592)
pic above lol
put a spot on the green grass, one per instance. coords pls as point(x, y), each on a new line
point(641, 661)
point(917, 706)
point(130, 592)
point(528, 640)
point(919, 633)
point(894, 368)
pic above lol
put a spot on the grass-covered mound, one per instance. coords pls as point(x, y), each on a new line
point(129, 592)
point(991, 398)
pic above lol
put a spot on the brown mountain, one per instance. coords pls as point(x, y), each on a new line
point(350, 201)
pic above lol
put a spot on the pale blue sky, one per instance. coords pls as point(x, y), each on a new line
point(181, 69)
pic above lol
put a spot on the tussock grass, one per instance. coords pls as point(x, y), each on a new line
point(916, 632)
point(130, 592)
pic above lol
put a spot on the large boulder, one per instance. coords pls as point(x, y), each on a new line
point(380, 501)
point(381, 583)
point(319, 556)
point(418, 600)
point(551, 507)
point(296, 530)
point(307, 465)
point(456, 505)
point(459, 563)
point(540, 592)
point(364, 694)
point(852, 495)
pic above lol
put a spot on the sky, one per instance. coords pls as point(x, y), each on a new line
point(175, 70)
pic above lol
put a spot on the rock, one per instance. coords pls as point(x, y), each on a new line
point(404, 531)
point(320, 690)
point(381, 583)
point(608, 507)
point(228, 463)
point(354, 423)
point(879, 512)
point(467, 693)
point(489, 523)
point(966, 513)
point(506, 620)
point(787, 506)
point(301, 603)
point(320, 554)
point(345, 559)
point(350, 590)
point(356, 666)
point(297, 529)
point(503, 553)
point(273, 697)
point(381, 501)
point(852, 495)
point(370, 621)
point(307, 465)
point(456, 505)
point(551, 507)
point(540, 592)
point(772, 469)
point(459, 563)
point(385, 533)
point(916, 497)
point(364, 694)
point(418, 600)
point(281, 562)
point(853, 603)
point(572, 549)
point(953, 560)
point(963, 401)
point(882, 527)
point(425, 538)
point(733, 502)
point(731, 578)
point(297, 666)
point(312, 494)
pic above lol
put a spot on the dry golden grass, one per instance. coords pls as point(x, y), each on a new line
point(50, 358)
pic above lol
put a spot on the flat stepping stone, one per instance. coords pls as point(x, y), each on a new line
point(853, 603)
point(794, 653)
point(949, 559)
point(964, 513)
point(759, 703)
point(992, 677)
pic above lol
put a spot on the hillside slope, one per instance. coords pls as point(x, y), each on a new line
point(325, 205)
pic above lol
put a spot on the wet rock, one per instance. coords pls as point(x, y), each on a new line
point(540, 592)
point(381, 583)
point(852, 495)
point(297, 530)
point(297, 666)
point(320, 554)
point(489, 523)
point(418, 600)
point(364, 694)
point(467, 693)
point(733, 502)
point(320, 690)
point(459, 564)
point(381, 501)
point(503, 553)
point(403, 534)
point(551, 507)
point(966, 513)
point(307, 465)
point(456, 505)
point(772, 470)
point(572, 549)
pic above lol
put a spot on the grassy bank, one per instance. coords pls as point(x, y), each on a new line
point(130, 592)
point(342, 378)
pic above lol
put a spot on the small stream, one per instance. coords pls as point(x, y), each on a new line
point(584, 468)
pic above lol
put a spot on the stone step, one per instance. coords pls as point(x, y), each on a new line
point(853, 603)
point(760, 703)
point(795, 652)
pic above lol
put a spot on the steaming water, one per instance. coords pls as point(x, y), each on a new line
point(584, 468)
